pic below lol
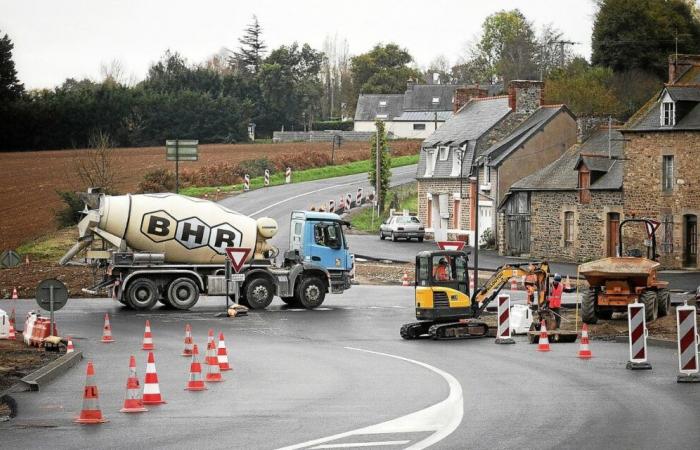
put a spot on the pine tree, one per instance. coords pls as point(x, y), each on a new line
point(252, 48)
point(385, 169)
point(10, 87)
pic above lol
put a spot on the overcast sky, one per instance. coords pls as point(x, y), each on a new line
point(56, 39)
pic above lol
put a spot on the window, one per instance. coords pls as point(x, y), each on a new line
point(668, 114)
point(667, 173)
point(443, 268)
point(382, 103)
point(422, 271)
point(456, 213)
point(584, 185)
point(667, 243)
point(487, 174)
point(419, 126)
point(568, 228)
point(430, 162)
point(444, 153)
point(436, 100)
point(382, 116)
point(328, 235)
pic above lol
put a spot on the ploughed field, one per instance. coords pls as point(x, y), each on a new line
point(28, 196)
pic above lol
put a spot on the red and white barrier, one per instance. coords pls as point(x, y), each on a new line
point(348, 200)
point(637, 330)
point(341, 205)
point(688, 338)
point(331, 206)
point(246, 182)
point(358, 197)
point(288, 175)
point(503, 335)
point(513, 284)
point(267, 177)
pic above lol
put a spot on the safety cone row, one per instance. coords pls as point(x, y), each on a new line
point(107, 331)
point(543, 345)
point(222, 354)
point(188, 341)
point(69, 345)
point(91, 412)
point(213, 371)
point(584, 352)
point(133, 402)
point(148, 337)
point(151, 388)
point(195, 383)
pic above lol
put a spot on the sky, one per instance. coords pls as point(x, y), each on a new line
point(55, 40)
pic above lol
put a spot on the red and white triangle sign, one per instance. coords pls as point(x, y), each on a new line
point(652, 226)
point(451, 245)
point(237, 256)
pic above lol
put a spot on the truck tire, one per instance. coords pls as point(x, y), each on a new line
point(142, 294)
point(663, 297)
point(290, 301)
point(311, 292)
point(588, 307)
point(650, 305)
point(183, 293)
point(259, 293)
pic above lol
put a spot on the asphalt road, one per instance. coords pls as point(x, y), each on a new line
point(341, 376)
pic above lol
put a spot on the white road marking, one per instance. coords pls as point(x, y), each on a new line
point(362, 444)
point(441, 418)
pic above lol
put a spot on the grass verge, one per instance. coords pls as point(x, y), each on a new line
point(366, 218)
point(301, 176)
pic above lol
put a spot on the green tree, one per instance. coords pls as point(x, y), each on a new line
point(10, 87)
point(385, 162)
point(641, 34)
point(252, 49)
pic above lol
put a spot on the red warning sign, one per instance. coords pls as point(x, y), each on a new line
point(237, 256)
point(451, 245)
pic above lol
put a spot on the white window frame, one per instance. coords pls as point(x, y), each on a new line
point(668, 176)
point(668, 114)
point(444, 153)
point(382, 103)
point(430, 157)
point(420, 128)
point(382, 116)
point(436, 100)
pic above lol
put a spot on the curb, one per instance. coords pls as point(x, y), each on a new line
point(654, 342)
point(44, 375)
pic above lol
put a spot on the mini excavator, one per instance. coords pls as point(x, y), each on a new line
point(446, 309)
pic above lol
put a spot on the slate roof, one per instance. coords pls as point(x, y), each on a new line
point(419, 97)
point(368, 106)
point(423, 116)
point(522, 133)
point(561, 175)
point(684, 93)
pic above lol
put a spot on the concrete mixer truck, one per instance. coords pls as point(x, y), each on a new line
point(171, 248)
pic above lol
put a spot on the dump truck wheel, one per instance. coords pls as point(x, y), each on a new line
point(311, 293)
point(588, 307)
point(259, 293)
point(142, 294)
point(183, 293)
point(663, 297)
point(650, 305)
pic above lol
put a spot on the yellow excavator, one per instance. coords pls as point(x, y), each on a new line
point(445, 308)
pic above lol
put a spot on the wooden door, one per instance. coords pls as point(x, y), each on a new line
point(613, 233)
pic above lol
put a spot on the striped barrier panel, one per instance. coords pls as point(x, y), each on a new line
point(246, 182)
point(687, 344)
point(637, 330)
point(267, 177)
point(503, 335)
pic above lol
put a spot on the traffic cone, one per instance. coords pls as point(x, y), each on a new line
point(213, 371)
point(107, 331)
point(404, 279)
point(15, 296)
point(513, 284)
point(543, 345)
point(69, 345)
point(222, 354)
point(584, 352)
point(91, 412)
point(148, 337)
point(12, 316)
point(151, 389)
point(188, 341)
point(133, 401)
point(12, 336)
point(195, 382)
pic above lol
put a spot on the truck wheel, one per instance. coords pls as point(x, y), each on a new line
point(588, 307)
point(650, 305)
point(183, 293)
point(259, 293)
point(311, 293)
point(664, 299)
point(142, 294)
point(291, 301)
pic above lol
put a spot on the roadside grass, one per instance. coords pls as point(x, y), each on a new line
point(50, 247)
point(366, 219)
point(301, 176)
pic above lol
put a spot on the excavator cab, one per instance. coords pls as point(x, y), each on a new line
point(442, 286)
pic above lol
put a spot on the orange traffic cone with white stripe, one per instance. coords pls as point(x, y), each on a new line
point(513, 284)
point(15, 296)
point(543, 345)
point(213, 371)
point(404, 279)
point(132, 401)
point(12, 336)
point(195, 383)
point(69, 345)
point(12, 316)
point(151, 388)
point(91, 412)
point(567, 283)
point(222, 354)
point(584, 352)
point(188, 341)
point(148, 337)
point(107, 331)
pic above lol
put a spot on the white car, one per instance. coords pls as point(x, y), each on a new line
point(406, 227)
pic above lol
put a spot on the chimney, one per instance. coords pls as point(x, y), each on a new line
point(678, 64)
point(465, 93)
point(525, 96)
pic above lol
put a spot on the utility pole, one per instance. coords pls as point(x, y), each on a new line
point(378, 176)
point(476, 229)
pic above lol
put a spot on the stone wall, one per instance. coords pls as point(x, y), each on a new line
point(643, 191)
point(322, 136)
point(448, 186)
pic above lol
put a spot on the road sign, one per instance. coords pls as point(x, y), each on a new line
point(451, 245)
point(47, 289)
point(652, 226)
point(238, 277)
point(237, 256)
point(181, 150)
point(9, 258)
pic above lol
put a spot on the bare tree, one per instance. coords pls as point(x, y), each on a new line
point(98, 166)
point(113, 72)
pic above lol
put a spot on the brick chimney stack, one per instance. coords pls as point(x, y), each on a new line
point(465, 93)
point(677, 67)
point(525, 96)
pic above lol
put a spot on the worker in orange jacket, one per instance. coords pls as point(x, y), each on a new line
point(442, 271)
point(554, 299)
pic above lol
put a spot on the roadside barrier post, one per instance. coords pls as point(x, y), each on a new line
point(348, 200)
point(637, 330)
point(503, 336)
point(688, 338)
point(267, 177)
point(288, 175)
point(246, 182)
point(331, 206)
point(358, 198)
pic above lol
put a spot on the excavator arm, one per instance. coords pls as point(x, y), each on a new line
point(537, 272)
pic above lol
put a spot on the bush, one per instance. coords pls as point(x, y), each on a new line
point(343, 125)
point(158, 180)
point(70, 214)
point(489, 239)
point(255, 167)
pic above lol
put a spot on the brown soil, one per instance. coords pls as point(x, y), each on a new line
point(26, 278)
point(28, 195)
point(18, 360)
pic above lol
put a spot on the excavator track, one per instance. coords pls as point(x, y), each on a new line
point(415, 330)
point(469, 329)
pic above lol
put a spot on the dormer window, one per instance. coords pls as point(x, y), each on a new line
point(382, 103)
point(444, 153)
point(668, 114)
point(584, 184)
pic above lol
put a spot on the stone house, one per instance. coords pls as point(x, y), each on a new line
point(662, 173)
point(506, 137)
point(569, 210)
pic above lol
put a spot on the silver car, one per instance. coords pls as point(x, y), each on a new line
point(406, 227)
